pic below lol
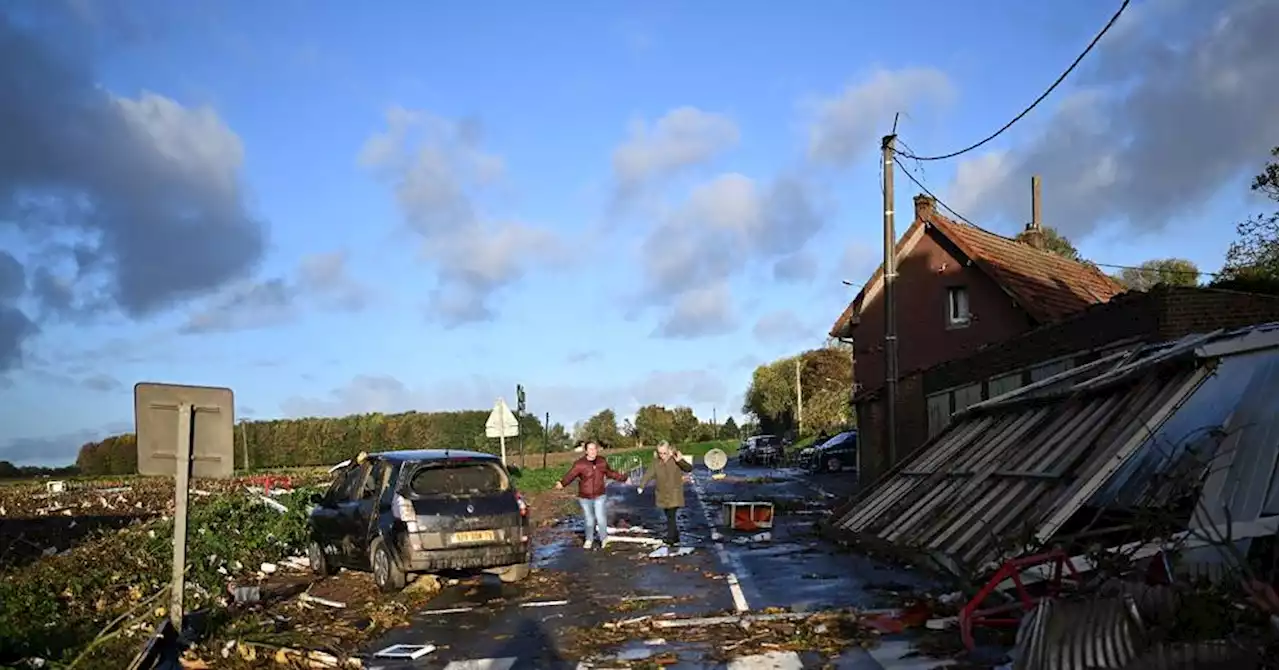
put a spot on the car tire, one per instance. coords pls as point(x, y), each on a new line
point(834, 464)
point(514, 573)
point(321, 564)
point(387, 574)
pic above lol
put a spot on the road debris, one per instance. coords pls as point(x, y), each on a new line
point(407, 651)
point(545, 603)
point(649, 541)
point(308, 598)
point(668, 552)
point(450, 610)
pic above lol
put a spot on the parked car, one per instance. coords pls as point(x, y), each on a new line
point(402, 512)
point(835, 454)
point(761, 450)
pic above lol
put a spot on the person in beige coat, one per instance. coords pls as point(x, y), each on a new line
point(668, 471)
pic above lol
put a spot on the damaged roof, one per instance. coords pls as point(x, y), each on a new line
point(1010, 472)
point(1048, 287)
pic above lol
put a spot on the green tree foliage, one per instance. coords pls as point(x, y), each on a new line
point(1252, 258)
point(684, 425)
point(826, 381)
point(602, 428)
point(558, 438)
point(321, 441)
point(1167, 271)
point(730, 429)
point(654, 423)
point(1054, 242)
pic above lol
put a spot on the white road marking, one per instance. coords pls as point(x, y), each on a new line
point(774, 660)
point(735, 583)
point(483, 664)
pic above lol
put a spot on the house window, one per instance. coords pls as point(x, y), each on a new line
point(957, 306)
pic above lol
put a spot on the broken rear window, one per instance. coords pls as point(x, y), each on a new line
point(458, 478)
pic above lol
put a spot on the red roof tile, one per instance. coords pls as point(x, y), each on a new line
point(1047, 286)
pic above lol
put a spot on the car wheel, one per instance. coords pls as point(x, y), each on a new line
point(387, 575)
point(514, 573)
point(833, 464)
point(320, 562)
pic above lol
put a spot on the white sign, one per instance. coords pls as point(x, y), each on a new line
point(502, 423)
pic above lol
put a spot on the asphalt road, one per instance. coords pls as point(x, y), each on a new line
point(555, 619)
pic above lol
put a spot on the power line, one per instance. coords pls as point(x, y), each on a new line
point(960, 216)
point(1038, 100)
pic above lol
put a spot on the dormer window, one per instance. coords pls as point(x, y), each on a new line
point(957, 307)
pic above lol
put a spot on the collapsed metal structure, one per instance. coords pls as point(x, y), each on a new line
point(1078, 450)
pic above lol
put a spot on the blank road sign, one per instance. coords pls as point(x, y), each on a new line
point(155, 413)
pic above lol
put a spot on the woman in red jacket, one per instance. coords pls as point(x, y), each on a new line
point(591, 471)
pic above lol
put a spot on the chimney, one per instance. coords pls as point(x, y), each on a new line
point(1034, 234)
point(926, 207)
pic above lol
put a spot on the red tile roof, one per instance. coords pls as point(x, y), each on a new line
point(1047, 286)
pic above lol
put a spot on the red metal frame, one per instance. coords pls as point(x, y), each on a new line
point(971, 615)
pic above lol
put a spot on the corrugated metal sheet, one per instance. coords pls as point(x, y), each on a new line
point(1010, 474)
point(996, 478)
point(1100, 634)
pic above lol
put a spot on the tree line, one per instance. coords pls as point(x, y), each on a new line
point(325, 441)
point(654, 424)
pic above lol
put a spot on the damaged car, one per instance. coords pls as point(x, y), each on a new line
point(402, 512)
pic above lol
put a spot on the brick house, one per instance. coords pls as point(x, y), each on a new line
point(960, 289)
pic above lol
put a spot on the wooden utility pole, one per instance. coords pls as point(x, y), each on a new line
point(890, 307)
point(714, 423)
point(799, 400)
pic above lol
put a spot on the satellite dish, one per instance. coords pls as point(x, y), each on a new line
point(715, 460)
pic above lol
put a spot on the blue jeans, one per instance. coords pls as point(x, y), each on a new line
point(594, 517)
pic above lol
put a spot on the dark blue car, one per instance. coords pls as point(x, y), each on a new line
point(836, 454)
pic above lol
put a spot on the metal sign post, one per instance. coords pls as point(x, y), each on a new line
point(183, 431)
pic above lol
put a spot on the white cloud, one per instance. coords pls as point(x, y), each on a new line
point(682, 138)
point(700, 312)
point(850, 125)
point(781, 327)
point(724, 225)
point(436, 168)
point(1172, 109)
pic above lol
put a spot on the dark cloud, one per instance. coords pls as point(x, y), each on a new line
point(56, 450)
point(101, 382)
point(1178, 103)
point(132, 204)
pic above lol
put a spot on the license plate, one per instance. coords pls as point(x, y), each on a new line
point(473, 536)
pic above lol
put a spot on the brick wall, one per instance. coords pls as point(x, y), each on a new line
point(1183, 311)
point(913, 427)
point(1128, 316)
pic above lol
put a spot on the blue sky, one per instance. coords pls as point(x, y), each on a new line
point(331, 210)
